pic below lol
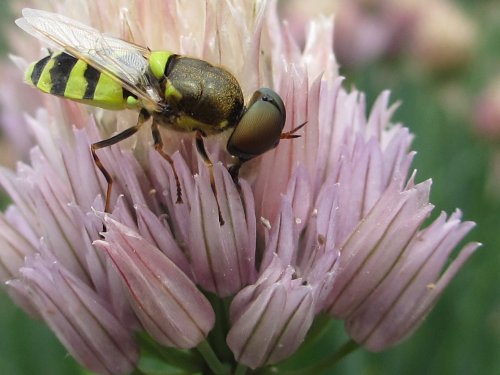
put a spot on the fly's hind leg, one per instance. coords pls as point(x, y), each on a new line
point(158, 145)
point(143, 117)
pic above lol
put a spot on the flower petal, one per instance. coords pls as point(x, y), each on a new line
point(158, 233)
point(222, 255)
point(402, 300)
point(166, 193)
point(283, 237)
point(376, 244)
point(15, 247)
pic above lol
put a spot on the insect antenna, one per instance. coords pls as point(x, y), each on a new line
point(234, 169)
point(291, 134)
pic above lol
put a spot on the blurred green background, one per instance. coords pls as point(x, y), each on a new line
point(462, 334)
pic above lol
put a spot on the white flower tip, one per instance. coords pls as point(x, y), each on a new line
point(100, 214)
point(265, 222)
point(431, 286)
point(19, 62)
point(471, 248)
point(100, 243)
point(123, 11)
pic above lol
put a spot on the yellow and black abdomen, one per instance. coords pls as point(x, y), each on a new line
point(63, 75)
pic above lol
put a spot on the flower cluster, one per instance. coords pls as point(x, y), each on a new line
point(330, 222)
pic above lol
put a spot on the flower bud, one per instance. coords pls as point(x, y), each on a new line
point(80, 318)
point(168, 304)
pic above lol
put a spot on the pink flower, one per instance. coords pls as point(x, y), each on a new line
point(329, 222)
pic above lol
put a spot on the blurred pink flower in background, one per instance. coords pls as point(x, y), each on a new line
point(486, 125)
point(444, 38)
point(329, 222)
point(487, 112)
point(437, 35)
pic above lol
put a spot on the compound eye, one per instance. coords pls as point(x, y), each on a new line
point(260, 127)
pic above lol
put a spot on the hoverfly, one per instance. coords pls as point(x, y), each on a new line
point(182, 93)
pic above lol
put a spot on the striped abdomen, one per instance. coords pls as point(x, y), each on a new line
point(64, 75)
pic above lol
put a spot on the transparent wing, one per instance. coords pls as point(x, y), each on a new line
point(123, 61)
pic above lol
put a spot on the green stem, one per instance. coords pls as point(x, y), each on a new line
point(188, 361)
point(319, 367)
point(240, 369)
point(217, 336)
point(319, 328)
point(211, 359)
point(328, 362)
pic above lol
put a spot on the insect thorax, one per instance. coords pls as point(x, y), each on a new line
point(202, 96)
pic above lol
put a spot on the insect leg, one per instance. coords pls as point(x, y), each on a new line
point(200, 147)
point(234, 169)
point(158, 145)
point(143, 117)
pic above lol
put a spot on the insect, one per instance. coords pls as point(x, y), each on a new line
point(179, 92)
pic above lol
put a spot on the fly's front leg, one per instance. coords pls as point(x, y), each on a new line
point(158, 145)
point(234, 170)
point(200, 147)
point(143, 117)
